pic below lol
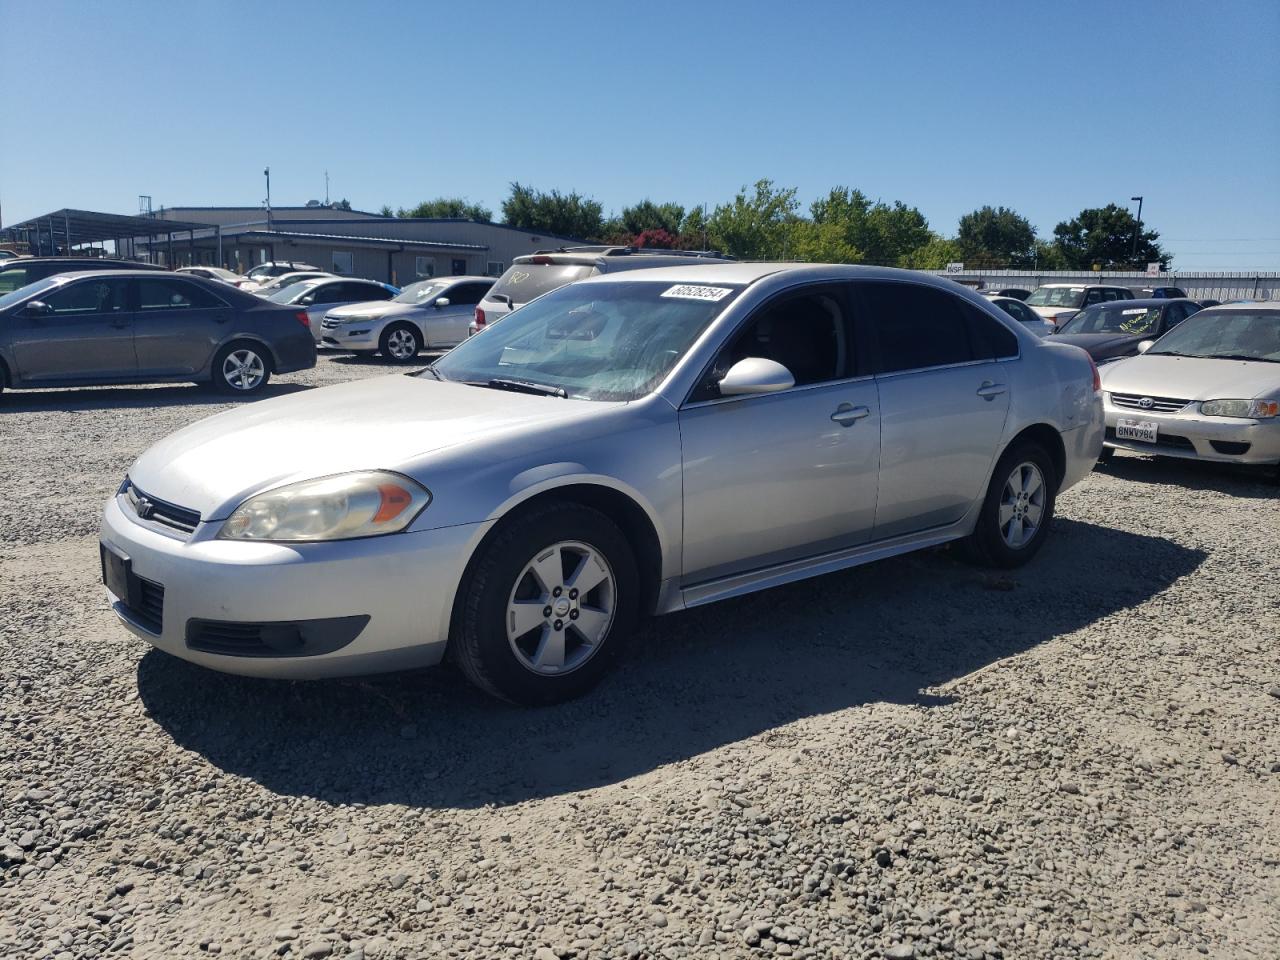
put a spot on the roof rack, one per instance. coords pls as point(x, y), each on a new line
point(617, 251)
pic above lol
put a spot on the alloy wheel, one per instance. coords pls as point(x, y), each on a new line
point(561, 608)
point(1022, 503)
point(243, 369)
point(402, 344)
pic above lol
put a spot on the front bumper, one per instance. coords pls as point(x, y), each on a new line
point(1193, 437)
point(358, 335)
point(404, 583)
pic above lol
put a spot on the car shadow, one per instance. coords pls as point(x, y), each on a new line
point(891, 632)
point(1228, 478)
point(425, 358)
point(109, 397)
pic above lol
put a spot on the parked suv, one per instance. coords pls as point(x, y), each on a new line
point(1059, 302)
point(18, 273)
point(140, 326)
point(427, 315)
point(534, 274)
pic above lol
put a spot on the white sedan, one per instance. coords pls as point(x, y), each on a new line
point(1209, 389)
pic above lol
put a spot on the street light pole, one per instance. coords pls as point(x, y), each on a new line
point(267, 173)
point(1133, 254)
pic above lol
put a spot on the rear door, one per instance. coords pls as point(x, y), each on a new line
point(177, 326)
point(944, 397)
point(88, 334)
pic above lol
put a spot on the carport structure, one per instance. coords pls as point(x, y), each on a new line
point(59, 233)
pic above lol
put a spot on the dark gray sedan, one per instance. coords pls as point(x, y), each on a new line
point(136, 326)
point(1109, 331)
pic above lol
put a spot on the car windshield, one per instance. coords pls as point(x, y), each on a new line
point(420, 292)
point(596, 341)
point(292, 291)
point(1056, 297)
point(1113, 318)
point(524, 281)
point(1225, 334)
point(21, 293)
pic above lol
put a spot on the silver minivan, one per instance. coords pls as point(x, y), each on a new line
point(533, 275)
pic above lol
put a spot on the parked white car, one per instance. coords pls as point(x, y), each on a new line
point(217, 273)
point(274, 285)
point(319, 295)
point(1209, 389)
point(632, 444)
point(1057, 303)
point(1026, 316)
point(427, 315)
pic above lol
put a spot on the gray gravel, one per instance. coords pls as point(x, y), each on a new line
point(915, 759)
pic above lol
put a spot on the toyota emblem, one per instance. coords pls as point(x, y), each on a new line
point(1146, 403)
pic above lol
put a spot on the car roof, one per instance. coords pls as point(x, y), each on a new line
point(747, 272)
point(1141, 302)
point(472, 278)
point(1107, 286)
point(117, 274)
point(1269, 306)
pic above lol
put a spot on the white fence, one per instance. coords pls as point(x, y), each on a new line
point(1198, 285)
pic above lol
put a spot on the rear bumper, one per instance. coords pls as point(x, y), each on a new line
point(394, 593)
point(295, 353)
point(1193, 437)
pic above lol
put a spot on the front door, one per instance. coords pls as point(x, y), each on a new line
point(780, 476)
point(447, 326)
point(944, 390)
point(87, 335)
point(177, 327)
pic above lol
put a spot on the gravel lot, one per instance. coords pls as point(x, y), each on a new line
point(914, 759)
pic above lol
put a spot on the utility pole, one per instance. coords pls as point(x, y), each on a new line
point(1133, 254)
point(326, 188)
point(267, 173)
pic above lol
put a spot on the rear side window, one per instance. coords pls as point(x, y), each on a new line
point(169, 294)
point(365, 291)
point(991, 339)
point(466, 294)
point(524, 281)
point(915, 326)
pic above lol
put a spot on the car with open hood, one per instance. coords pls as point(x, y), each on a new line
point(632, 444)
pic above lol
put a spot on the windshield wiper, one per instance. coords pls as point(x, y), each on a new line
point(1240, 356)
point(527, 386)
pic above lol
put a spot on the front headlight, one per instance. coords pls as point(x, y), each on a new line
point(342, 507)
point(1244, 409)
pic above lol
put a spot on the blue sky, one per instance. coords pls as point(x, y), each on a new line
point(946, 106)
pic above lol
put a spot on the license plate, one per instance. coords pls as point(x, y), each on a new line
point(115, 571)
point(1141, 430)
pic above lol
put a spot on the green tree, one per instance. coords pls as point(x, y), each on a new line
point(884, 233)
point(386, 211)
point(693, 231)
point(933, 254)
point(755, 225)
point(647, 215)
point(1105, 235)
point(448, 208)
point(565, 214)
point(821, 243)
point(996, 236)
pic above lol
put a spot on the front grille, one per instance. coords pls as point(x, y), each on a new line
point(1167, 440)
point(1134, 401)
point(149, 607)
point(146, 507)
point(1232, 448)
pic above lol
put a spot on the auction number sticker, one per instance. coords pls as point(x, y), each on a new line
point(693, 291)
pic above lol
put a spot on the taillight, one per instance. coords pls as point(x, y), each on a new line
point(542, 261)
point(1097, 377)
point(303, 318)
point(480, 321)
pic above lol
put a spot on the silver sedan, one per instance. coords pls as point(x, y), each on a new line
point(633, 444)
point(1209, 389)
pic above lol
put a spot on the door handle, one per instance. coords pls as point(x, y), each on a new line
point(989, 391)
point(847, 415)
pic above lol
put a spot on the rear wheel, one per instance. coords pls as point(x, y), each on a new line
point(241, 368)
point(400, 342)
point(548, 605)
point(1017, 510)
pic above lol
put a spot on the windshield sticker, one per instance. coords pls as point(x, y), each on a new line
point(690, 291)
point(1135, 310)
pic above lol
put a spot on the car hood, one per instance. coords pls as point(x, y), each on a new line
point(1050, 312)
point(1191, 378)
point(373, 309)
point(1099, 344)
point(384, 423)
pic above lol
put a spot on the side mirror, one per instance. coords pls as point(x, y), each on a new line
point(37, 308)
point(756, 375)
point(441, 303)
point(1145, 345)
point(307, 301)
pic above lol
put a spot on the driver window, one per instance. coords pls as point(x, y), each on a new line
point(806, 333)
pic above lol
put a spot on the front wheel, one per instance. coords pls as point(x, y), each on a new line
point(400, 342)
point(548, 605)
point(1017, 509)
point(241, 369)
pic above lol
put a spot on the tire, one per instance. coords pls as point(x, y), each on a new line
point(995, 544)
point(400, 342)
point(1106, 454)
point(241, 368)
point(507, 577)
